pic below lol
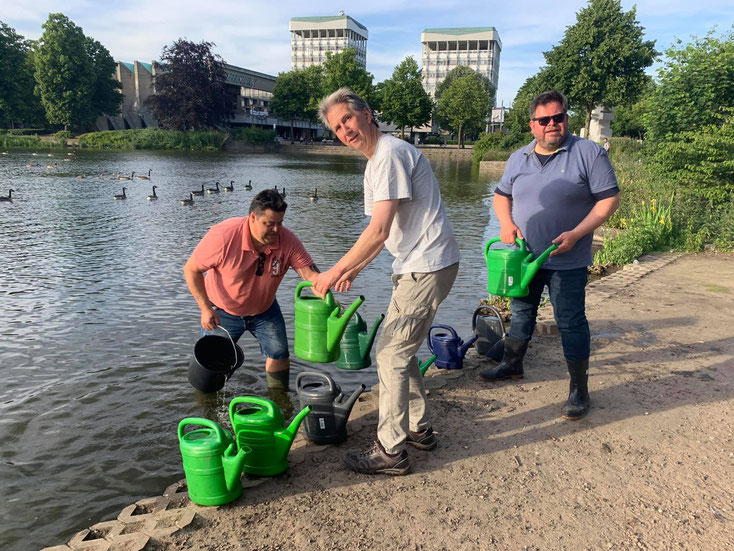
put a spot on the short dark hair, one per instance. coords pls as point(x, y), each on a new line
point(551, 96)
point(268, 199)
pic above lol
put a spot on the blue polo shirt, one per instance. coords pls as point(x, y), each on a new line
point(550, 199)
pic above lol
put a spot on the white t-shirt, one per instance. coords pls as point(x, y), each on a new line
point(421, 237)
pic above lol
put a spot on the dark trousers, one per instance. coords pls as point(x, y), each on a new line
point(568, 297)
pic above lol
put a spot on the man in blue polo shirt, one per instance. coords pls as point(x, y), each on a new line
point(558, 189)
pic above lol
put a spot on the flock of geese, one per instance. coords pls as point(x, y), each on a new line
point(313, 196)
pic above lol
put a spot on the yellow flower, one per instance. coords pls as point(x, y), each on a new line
point(652, 208)
point(662, 219)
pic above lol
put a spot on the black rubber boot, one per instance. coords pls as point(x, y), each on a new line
point(578, 395)
point(511, 365)
point(278, 379)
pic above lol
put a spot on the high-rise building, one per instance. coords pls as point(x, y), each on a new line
point(312, 37)
point(444, 49)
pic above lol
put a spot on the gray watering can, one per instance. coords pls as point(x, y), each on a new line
point(330, 408)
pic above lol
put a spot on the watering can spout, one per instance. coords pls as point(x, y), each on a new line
point(338, 324)
point(366, 340)
point(531, 268)
point(347, 405)
point(233, 464)
point(463, 349)
point(286, 436)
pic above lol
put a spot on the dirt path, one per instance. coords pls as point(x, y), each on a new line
point(650, 467)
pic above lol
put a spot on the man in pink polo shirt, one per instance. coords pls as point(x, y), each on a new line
point(245, 260)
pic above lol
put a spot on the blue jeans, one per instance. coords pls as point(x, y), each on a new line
point(268, 329)
point(568, 297)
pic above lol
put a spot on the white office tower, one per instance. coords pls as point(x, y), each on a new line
point(444, 49)
point(312, 37)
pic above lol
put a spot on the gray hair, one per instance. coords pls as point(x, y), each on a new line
point(551, 96)
point(354, 101)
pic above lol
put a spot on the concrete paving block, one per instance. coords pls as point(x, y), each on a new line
point(91, 545)
point(100, 531)
point(57, 548)
point(297, 457)
point(176, 489)
point(143, 509)
point(169, 522)
point(130, 542)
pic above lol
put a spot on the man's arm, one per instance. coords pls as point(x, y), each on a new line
point(503, 209)
point(364, 250)
point(308, 273)
point(195, 281)
point(602, 210)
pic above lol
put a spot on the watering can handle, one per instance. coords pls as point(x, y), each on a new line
point(520, 242)
point(304, 284)
point(476, 313)
point(204, 423)
point(438, 326)
point(250, 400)
point(317, 375)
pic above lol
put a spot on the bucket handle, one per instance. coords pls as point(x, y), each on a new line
point(234, 349)
point(318, 375)
point(494, 311)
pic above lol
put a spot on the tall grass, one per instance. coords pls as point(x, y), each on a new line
point(154, 138)
point(11, 140)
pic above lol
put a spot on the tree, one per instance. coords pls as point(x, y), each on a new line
point(190, 92)
point(292, 97)
point(475, 125)
point(17, 102)
point(64, 74)
point(517, 119)
point(463, 103)
point(106, 96)
point(404, 101)
point(601, 59)
point(695, 86)
point(629, 120)
point(342, 69)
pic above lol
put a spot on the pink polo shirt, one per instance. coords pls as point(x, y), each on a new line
point(227, 254)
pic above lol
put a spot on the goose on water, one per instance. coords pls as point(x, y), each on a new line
point(51, 166)
point(198, 191)
point(248, 186)
point(122, 195)
point(189, 201)
point(315, 195)
point(213, 190)
point(9, 197)
point(143, 177)
point(127, 177)
point(154, 196)
point(282, 193)
point(230, 187)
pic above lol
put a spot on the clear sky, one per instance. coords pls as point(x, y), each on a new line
point(254, 34)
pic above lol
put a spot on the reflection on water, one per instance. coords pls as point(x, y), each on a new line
point(98, 325)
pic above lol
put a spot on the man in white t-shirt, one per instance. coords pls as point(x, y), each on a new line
point(407, 216)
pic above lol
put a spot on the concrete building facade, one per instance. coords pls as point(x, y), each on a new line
point(312, 37)
point(443, 49)
point(248, 91)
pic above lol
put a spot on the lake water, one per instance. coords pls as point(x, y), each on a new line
point(98, 325)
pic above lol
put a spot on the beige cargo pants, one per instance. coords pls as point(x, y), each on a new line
point(403, 404)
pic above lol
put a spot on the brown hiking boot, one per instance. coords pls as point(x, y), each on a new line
point(376, 460)
point(424, 440)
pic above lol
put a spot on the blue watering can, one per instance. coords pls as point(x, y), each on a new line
point(448, 347)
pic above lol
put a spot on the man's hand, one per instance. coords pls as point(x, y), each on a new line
point(209, 319)
point(325, 281)
point(565, 242)
point(510, 232)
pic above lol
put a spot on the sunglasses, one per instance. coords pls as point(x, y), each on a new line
point(558, 118)
point(260, 264)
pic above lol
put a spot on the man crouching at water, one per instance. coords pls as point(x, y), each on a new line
point(245, 260)
point(402, 197)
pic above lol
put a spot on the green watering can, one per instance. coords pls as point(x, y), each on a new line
point(260, 428)
point(356, 344)
point(424, 366)
point(211, 462)
point(319, 328)
point(510, 271)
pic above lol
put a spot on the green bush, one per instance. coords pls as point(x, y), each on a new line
point(253, 135)
point(63, 135)
point(496, 155)
point(434, 140)
point(498, 141)
point(9, 140)
point(153, 138)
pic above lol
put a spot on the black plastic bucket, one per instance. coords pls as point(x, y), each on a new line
point(214, 362)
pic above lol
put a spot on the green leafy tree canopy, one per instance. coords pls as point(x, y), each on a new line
point(190, 92)
point(342, 69)
point(464, 103)
point(404, 101)
point(601, 58)
point(18, 104)
point(292, 97)
point(486, 99)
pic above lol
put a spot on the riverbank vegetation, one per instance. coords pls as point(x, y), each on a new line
point(154, 138)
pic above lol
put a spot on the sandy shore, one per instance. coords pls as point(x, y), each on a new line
point(650, 467)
